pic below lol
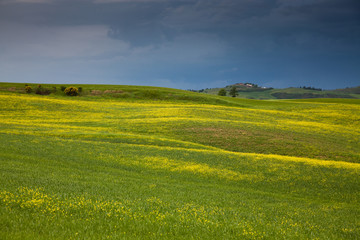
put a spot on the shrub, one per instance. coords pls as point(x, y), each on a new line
point(28, 89)
point(95, 92)
point(42, 91)
point(71, 91)
point(62, 88)
point(12, 89)
point(113, 91)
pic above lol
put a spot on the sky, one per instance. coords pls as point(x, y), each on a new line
point(184, 44)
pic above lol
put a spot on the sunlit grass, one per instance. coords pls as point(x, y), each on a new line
point(87, 168)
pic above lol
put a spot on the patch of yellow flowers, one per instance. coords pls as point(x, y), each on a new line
point(150, 210)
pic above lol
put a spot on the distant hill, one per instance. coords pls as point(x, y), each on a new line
point(353, 90)
point(130, 93)
point(253, 91)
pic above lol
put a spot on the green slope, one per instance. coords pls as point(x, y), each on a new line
point(289, 93)
point(171, 164)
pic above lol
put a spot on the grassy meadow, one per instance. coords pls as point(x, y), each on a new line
point(127, 162)
point(288, 93)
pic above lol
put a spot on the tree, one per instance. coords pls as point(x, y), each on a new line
point(233, 92)
point(222, 92)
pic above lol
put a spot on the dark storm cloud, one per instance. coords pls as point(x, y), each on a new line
point(142, 22)
point(266, 41)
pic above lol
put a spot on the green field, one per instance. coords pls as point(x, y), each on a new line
point(288, 93)
point(127, 162)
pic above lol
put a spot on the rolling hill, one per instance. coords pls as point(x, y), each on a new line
point(255, 92)
point(133, 162)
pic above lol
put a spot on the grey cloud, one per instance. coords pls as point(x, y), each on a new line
point(196, 39)
point(147, 22)
point(127, 1)
point(24, 1)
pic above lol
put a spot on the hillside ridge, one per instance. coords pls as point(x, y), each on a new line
point(253, 91)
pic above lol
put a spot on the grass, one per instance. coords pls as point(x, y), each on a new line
point(290, 93)
point(172, 164)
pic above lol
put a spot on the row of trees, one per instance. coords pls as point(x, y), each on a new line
point(311, 88)
point(232, 93)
